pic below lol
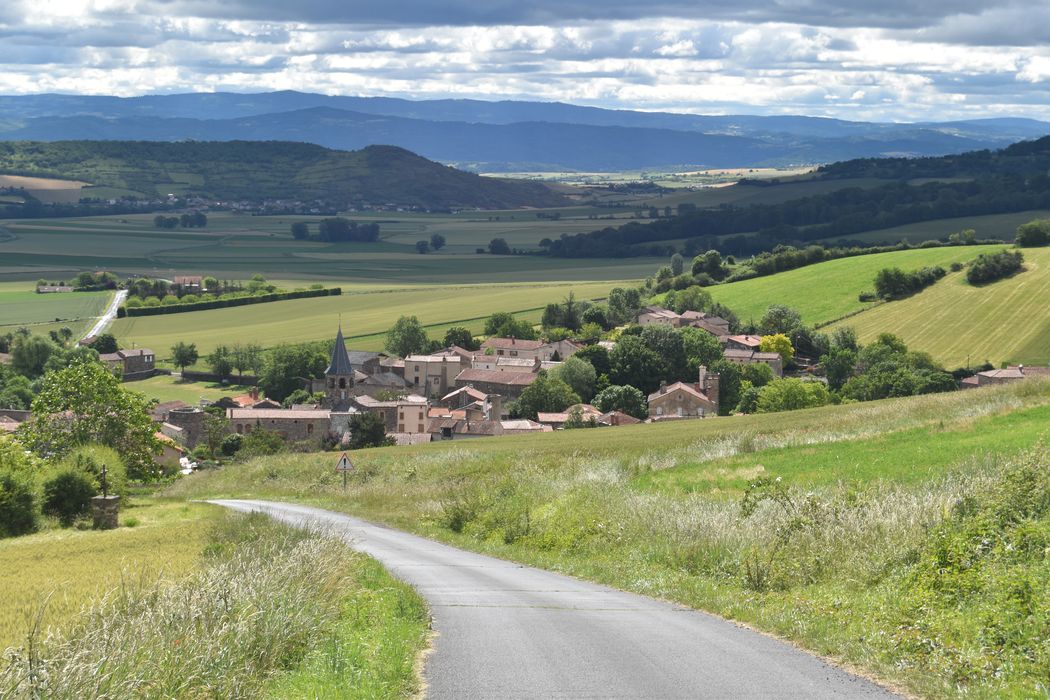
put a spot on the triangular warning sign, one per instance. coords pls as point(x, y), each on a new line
point(344, 465)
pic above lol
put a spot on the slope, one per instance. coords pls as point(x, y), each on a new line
point(246, 170)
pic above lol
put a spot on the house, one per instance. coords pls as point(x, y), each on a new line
point(8, 425)
point(681, 400)
point(697, 319)
point(190, 284)
point(382, 382)
point(530, 349)
point(456, 428)
point(170, 453)
point(509, 385)
point(133, 364)
point(521, 426)
point(405, 415)
point(743, 342)
point(558, 420)
point(463, 397)
point(294, 426)
point(616, 418)
point(657, 314)
point(749, 357)
point(432, 375)
point(53, 289)
point(159, 413)
point(506, 364)
point(364, 361)
point(994, 377)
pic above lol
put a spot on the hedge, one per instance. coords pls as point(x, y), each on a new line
point(124, 311)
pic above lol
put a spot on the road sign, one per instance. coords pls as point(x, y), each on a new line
point(344, 465)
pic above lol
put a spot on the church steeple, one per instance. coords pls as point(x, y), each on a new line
point(339, 376)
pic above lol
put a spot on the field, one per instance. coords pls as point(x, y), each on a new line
point(1002, 226)
point(828, 291)
point(20, 306)
point(835, 555)
point(165, 387)
point(964, 325)
point(64, 570)
point(366, 313)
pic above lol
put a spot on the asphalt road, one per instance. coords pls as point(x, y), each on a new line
point(509, 631)
point(110, 314)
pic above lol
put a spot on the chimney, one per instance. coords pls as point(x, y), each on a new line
point(254, 393)
point(710, 387)
point(663, 387)
point(702, 379)
point(494, 405)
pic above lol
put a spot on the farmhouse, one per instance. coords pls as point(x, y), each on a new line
point(749, 357)
point(294, 426)
point(432, 375)
point(530, 349)
point(743, 342)
point(506, 384)
point(1014, 373)
point(133, 364)
point(681, 400)
point(714, 325)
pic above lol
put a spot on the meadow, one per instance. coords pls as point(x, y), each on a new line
point(367, 312)
point(21, 306)
point(56, 573)
point(166, 387)
point(828, 291)
point(1002, 226)
point(784, 522)
point(961, 325)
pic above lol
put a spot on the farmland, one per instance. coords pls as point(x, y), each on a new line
point(657, 509)
point(1002, 226)
point(166, 387)
point(366, 312)
point(959, 324)
point(20, 306)
point(64, 570)
point(828, 291)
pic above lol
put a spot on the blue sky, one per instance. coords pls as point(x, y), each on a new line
point(893, 60)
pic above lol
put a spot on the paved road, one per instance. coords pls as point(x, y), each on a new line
point(111, 313)
point(508, 631)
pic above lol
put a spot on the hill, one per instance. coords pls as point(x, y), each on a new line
point(247, 170)
point(505, 136)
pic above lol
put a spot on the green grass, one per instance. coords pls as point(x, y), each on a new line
point(63, 571)
point(654, 509)
point(828, 291)
point(366, 313)
point(957, 323)
point(25, 308)
point(165, 387)
point(1003, 226)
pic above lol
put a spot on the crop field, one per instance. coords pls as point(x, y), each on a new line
point(829, 290)
point(236, 246)
point(21, 307)
point(366, 314)
point(656, 509)
point(64, 570)
point(1002, 226)
point(959, 324)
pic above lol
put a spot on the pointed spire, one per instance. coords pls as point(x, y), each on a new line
point(340, 364)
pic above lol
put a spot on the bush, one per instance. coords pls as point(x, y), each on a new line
point(152, 306)
point(1034, 233)
point(18, 504)
point(89, 459)
point(894, 283)
point(68, 494)
point(231, 444)
point(990, 267)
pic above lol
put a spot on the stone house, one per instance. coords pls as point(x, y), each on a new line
point(432, 375)
point(743, 342)
point(530, 349)
point(697, 319)
point(139, 363)
point(993, 377)
point(509, 385)
point(682, 400)
point(749, 357)
point(294, 426)
point(506, 364)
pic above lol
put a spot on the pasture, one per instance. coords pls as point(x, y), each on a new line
point(829, 290)
point(166, 387)
point(959, 324)
point(61, 571)
point(20, 306)
point(1002, 226)
point(366, 313)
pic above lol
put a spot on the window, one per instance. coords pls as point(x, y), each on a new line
point(342, 382)
point(513, 353)
point(420, 427)
point(309, 428)
point(331, 383)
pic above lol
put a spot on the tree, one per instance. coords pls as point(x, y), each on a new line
point(84, 404)
point(220, 361)
point(596, 314)
point(184, 354)
point(498, 246)
point(422, 247)
point(692, 298)
point(729, 385)
point(632, 362)
point(757, 373)
point(214, 429)
point(778, 343)
point(460, 337)
point(300, 230)
point(368, 430)
point(667, 343)
point(792, 394)
point(503, 325)
point(623, 398)
point(700, 348)
point(838, 366)
point(623, 305)
point(845, 337)
point(407, 337)
point(1034, 233)
point(286, 367)
point(677, 264)
point(780, 319)
point(579, 374)
point(68, 494)
point(437, 241)
point(546, 394)
point(246, 357)
point(30, 354)
point(597, 356)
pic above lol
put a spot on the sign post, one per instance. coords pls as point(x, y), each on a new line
point(345, 466)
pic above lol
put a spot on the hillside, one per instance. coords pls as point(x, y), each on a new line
point(853, 547)
point(246, 170)
point(498, 136)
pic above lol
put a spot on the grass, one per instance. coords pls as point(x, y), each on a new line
point(27, 308)
point(960, 324)
point(1002, 226)
point(165, 387)
point(267, 608)
point(366, 313)
point(62, 571)
point(832, 556)
point(828, 291)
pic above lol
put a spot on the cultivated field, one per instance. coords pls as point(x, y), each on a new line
point(960, 324)
point(19, 306)
point(863, 549)
point(366, 314)
point(828, 291)
point(1002, 226)
point(61, 571)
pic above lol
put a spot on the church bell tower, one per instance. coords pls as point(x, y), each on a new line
point(339, 377)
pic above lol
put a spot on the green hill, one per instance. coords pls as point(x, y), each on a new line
point(257, 170)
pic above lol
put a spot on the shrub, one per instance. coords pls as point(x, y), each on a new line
point(89, 459)
point(1034, 233)
point(231, 444)
point(990, 267)
point(67, 495)
point(18, 504)
point(894, 283)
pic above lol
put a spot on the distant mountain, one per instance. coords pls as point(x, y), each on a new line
point(246, 170)
point(500, 136)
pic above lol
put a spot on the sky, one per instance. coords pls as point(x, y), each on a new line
point(891, 60)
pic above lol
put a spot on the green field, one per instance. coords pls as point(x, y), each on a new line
point(366, 313)
point(61, 571)
point(1001, 226)
point(868, 492)
point(828, 291)
point(20, 306)
point(166, 387)
point(960, 324)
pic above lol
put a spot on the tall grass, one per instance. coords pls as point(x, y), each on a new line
point(266, 597)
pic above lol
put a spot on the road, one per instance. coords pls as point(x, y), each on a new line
point(111, 313)
point(510, 631)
